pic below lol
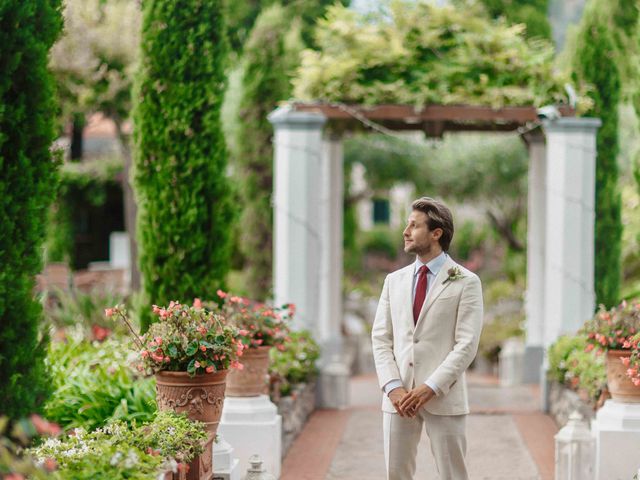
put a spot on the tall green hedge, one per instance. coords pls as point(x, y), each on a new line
point(594, 64)
point(270, 55)
point(28, 176)
point(533, 13)
point(181, 185)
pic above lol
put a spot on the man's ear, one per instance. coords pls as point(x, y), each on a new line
point(437, 233)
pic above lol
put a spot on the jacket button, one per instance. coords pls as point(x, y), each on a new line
point(411, 364)
point(416, 340)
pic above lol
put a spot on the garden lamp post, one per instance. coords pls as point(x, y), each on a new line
point(574, 450)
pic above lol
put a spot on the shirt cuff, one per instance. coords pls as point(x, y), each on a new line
point(391, 385)
point(431, 385)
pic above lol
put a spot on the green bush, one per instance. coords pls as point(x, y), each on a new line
point(84, 310)
point(470, 236)
point(559, 352)
point(28, 179)
point(594, 64)
point(119, 452)
point(296, 363)
point(183, 193)
point(94, 384)
point(587, 371)
point(270, 56)
point(576, 368)
point(381, 240)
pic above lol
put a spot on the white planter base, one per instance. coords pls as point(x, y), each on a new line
point(252, 426)
point(617, 432)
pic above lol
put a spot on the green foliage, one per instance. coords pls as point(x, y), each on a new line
point(15, 437)
point(587, 371)
point(118, 452)
point(559, 352)
point(270, 56)
point(83, 311)
point(469, 236)
point(508, 323)
point(94, 384)
point(28, 179)
point(81, 183)
point(594, 65)
point(381, 240)
point(296, 363)
point(182, 190)
point(418, 53)
point(533, 13)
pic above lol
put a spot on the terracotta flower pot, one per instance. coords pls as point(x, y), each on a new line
point(252, 380)
point(201, 397)
point(620, 385)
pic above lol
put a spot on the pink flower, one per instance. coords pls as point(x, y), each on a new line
point(203, 348)
point(157, 358)
point(589, 347)
point(626, 344)
point(50, 464)
point(44, 427)
point(197, 303)
point(243, 332)
point(167, 359)
point(202, 330)
point(158, 341)
point(237, 365)
point(632, 372)
point(221, 294)
point(144, 353)
point(109, 311)
point(156, 309)
point(197, 364)
point(209, 369)
point(625, 361)
point(636, 381)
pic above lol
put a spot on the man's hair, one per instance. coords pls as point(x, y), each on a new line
point(438, 216)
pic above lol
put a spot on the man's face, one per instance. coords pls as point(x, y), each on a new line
point(418, 239)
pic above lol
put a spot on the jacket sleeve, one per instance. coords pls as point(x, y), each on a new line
point(382, 340)
point(467, 337)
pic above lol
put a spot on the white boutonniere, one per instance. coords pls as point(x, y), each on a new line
point(454, 274)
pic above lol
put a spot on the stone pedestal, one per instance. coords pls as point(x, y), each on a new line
point(252, 425)
point(225, 465)
point(617, 432)
point(511, 363)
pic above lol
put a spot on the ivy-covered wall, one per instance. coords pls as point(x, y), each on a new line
point(28, 179)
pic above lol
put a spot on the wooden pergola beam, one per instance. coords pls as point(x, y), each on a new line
point(432, 119)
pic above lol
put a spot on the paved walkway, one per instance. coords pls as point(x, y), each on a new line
point(508, 437)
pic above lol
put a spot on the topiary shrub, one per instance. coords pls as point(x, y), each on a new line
point(181, 184)
point(28, 177)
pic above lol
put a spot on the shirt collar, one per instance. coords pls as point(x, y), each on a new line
point(434, 265)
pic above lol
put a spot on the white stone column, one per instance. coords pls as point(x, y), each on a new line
point(536, 219)
point(330, 210)
point(569, 297)
point(297, 246)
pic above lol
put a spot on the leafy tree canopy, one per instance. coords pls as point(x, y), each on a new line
point(418, 53)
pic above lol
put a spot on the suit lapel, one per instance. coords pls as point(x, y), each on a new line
point(406, 290)
point(439, 286)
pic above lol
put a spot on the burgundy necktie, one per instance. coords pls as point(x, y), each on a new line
point(421, 292)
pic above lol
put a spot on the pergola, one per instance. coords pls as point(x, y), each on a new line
point(308, 193)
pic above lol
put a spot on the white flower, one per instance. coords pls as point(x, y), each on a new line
point(116, 459)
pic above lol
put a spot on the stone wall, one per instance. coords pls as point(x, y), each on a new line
point(563, 401)
point(295, 410)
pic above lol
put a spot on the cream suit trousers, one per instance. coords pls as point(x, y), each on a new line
point(447, 434)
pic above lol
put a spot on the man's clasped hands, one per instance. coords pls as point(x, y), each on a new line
point(408, 403)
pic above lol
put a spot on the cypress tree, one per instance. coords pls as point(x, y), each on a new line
point(183, 193)
point(28, 176)
point(270, 56)
point(594, 64)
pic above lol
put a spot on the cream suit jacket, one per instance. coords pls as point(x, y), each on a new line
point(443, 343)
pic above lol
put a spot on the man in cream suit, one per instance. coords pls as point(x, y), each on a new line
point(425, 335)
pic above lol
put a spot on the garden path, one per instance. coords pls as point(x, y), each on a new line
point(508, 437)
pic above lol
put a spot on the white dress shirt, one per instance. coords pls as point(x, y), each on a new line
point(434, 267)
